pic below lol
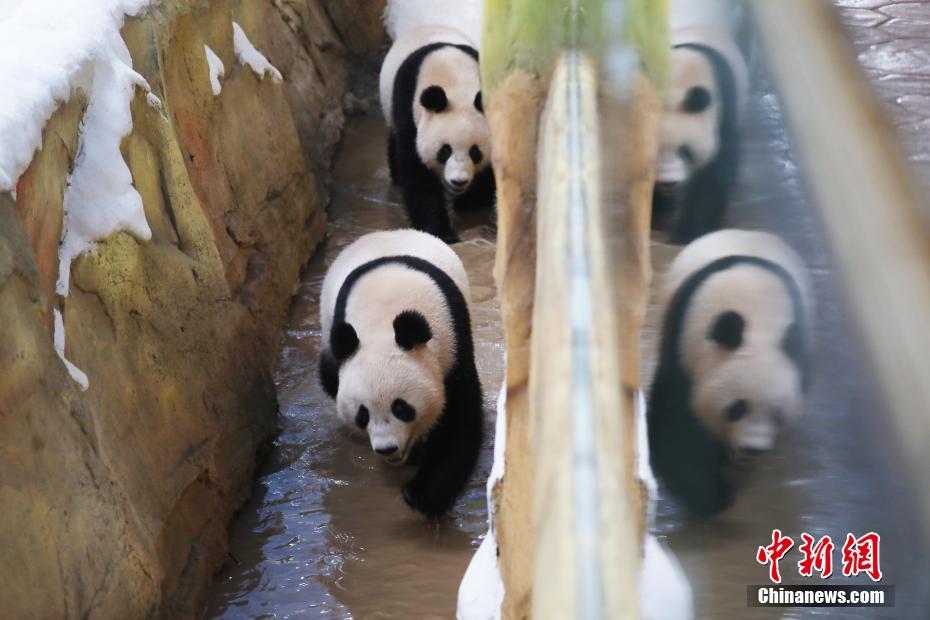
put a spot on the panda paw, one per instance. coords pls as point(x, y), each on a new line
point(422, 501)
point(450, 237)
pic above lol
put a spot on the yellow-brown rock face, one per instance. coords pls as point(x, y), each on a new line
point(115, 500)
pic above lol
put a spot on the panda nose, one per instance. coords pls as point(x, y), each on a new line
point(752, 452)
point(459, 183)
point(386, 450)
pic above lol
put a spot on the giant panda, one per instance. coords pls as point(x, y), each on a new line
point(398, 358)
point(439, 146)
point(699, 138)
point(733, 361)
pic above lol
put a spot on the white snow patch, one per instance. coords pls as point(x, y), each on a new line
point(664, 590)
point(463, 15)
point(643, 468)
point(248, 55)
point(217, 70)
point(76, 373)
point(46, 46)
point(481, 592)
point(100, 199)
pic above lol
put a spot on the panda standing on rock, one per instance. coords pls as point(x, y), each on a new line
point(398, 358)
point(439, 146)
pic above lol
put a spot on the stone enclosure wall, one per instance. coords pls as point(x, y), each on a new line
point(115, 500)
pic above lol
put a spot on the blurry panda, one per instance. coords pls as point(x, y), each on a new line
point(439, 146)
point(398, 358)
point(699, 133)
point(733, 361)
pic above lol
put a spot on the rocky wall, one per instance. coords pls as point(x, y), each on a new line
point(116, 499)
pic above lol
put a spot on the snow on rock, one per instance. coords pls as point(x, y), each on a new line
point(100, 199)
point(76, 373)
point(46, 47)
point(248, 55)
point(481, 592)
point(217, 70)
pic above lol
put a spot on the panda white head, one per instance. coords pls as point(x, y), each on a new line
point(690, 129)
point(453, 138)
point(391, 388)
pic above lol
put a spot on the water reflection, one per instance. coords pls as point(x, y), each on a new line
point(835, 471)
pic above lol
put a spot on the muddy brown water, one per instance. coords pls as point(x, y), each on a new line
point(326, 533)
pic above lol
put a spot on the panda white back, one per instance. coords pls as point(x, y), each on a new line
point(443, 65)
point(731, 242)
point(722, 14)
point(390, 243)
point(402, 16)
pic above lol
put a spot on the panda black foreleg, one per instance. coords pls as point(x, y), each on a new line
point(392, 158)
point(702, 211)
point(685, 457)
point(426, 206)
point(707, 194)
point(329, 373)
point(450, 452)
point(481, 194)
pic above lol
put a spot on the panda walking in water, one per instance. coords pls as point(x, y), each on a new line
point(439, 147)
point(398, 358)
point(699, 138)
point(733, 361)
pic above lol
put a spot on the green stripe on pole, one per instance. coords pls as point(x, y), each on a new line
point(528, 34)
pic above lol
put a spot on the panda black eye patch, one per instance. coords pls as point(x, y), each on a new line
point(697, 99)
point(445, 152)
point(478, 104)
point(403, 411)
point(475, 153)
point(727, 330)
point(361, 418)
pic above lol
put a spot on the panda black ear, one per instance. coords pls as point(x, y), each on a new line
point(478, 104)
point(411, 329)
point(727, 330)
point(343, 341)
point(434, 99)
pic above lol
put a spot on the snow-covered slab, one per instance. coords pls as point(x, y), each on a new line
point(251, 57)
point(217, 70)
point(46, 48)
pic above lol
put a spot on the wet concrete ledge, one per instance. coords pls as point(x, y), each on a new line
point(116, 499)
